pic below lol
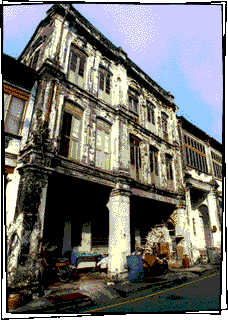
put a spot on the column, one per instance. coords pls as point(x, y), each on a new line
point(182, 229)
point(213, 214)
point(86, 243)
point(124, 147)
point(119, 229)
point(179, 218)
point(24, 236)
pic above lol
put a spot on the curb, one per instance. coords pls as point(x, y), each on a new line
point(116, 291)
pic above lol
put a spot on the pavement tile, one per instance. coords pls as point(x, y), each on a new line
point(65, 295)
point(36, 304)
point(97, 290)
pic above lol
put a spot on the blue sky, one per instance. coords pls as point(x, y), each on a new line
point(178, 46)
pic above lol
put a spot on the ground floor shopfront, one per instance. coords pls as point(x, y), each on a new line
point(100, 215)
point(110, 218)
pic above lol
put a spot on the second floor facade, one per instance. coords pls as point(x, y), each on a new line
point(201, 154)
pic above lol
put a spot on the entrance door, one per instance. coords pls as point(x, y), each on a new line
point(135, 158)
point(207, 225)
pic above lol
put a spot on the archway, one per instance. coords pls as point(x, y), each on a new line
point(207, 225)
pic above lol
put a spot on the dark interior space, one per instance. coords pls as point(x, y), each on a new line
point(145, 214)
point(78, 201)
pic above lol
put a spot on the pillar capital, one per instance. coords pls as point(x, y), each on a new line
point(40, 173)
point(120, 192)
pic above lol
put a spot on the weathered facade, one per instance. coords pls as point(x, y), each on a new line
point(202, 167)
point(114, 169)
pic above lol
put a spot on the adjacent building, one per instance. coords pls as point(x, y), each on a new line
point(115, 167)
point(202, 167)
point(19, 95)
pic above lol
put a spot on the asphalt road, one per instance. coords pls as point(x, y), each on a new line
point(200, 294)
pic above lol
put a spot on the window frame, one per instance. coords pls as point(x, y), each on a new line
point(133, 101)
point(134, 146)
point(169, 167)
point(14, 93)
point(104, 128)
point(153, 156)
point(106, 80)
point(217, 165)
point(165, 118)
point(150, 113)
point(79, 69)
point(76, 112)
point(195, 157)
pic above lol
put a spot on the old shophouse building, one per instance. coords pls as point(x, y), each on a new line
point(115, 169)
point(202, 168)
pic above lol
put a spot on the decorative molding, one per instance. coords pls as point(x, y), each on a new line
point(120, 192)
point(153, 196)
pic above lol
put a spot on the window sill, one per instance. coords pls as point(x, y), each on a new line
point(198, 170)
point(12, 135)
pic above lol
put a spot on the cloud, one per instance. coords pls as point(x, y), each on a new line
point(10, 12)
point(138, 32)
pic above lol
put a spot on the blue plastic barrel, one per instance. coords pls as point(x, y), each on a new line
point(135, 268)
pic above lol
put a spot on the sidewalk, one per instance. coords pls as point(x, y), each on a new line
point(95, 288)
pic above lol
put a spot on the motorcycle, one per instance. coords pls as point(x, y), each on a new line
point(52, 265)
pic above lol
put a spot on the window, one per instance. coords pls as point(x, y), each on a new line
point(76, 64)
point(104, 80)
point(135, 158)
point(133, 100)
point(165, 126)
point(103, 144)
point(13, 112)
point(195, 154)
point(71, 129)
point(135, 152)
point(217, 165)
point(150, 113)
point(217, 170)
point(153, 160)
point(169, 170)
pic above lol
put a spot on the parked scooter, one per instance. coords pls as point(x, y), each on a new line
point(53, 265)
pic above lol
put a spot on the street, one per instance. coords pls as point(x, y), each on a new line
point(200, 294)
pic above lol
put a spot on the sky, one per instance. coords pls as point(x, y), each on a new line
point(178, 46)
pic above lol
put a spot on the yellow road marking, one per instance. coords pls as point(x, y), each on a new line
point(150, 295)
